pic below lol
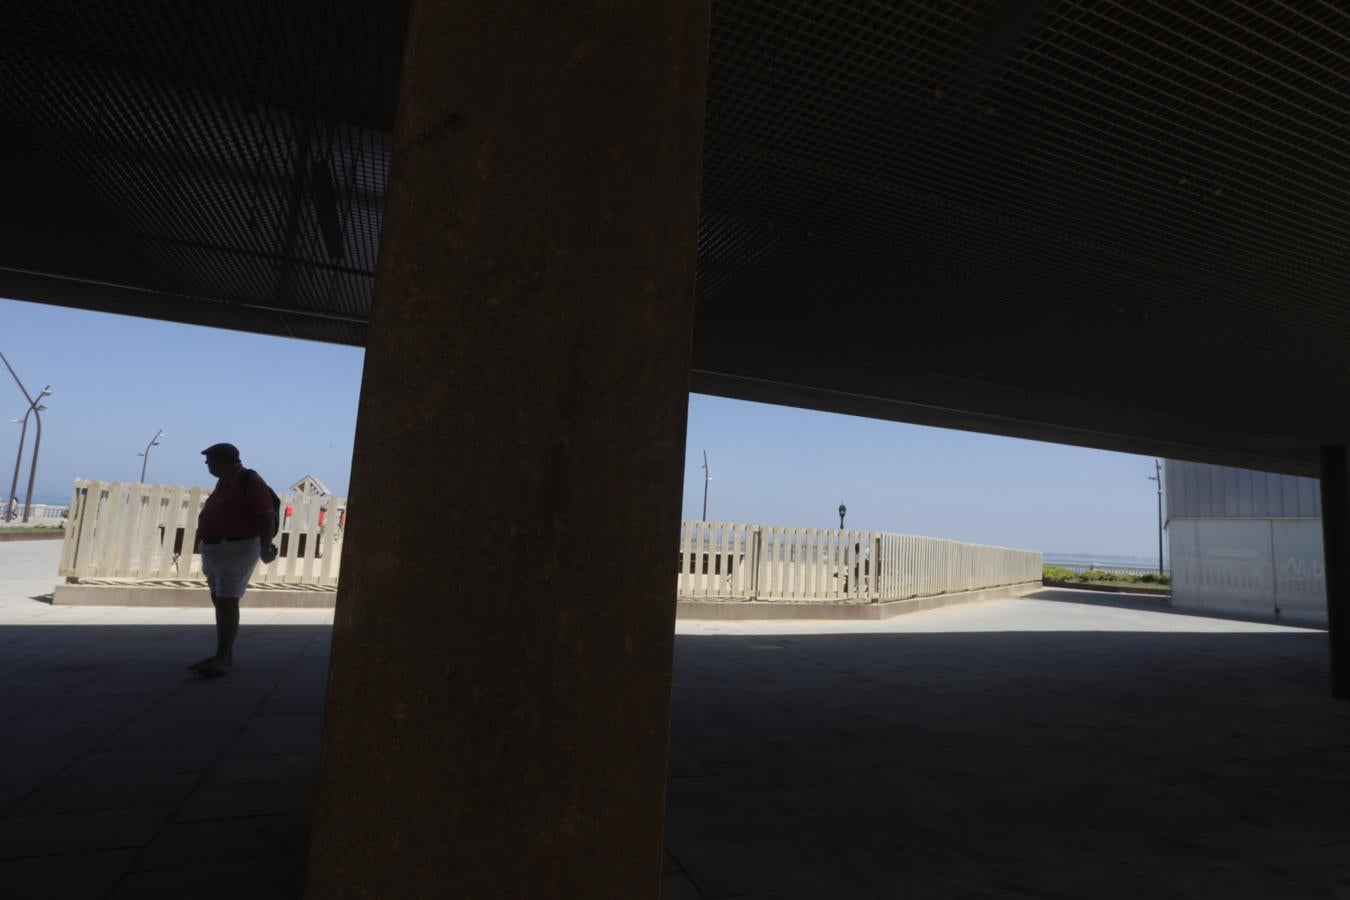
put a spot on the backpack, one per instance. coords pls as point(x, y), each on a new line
point(276, 501)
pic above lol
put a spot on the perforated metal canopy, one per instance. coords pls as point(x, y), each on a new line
point(1115, 224)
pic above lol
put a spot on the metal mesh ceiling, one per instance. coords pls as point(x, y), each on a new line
point(227, 161)
point(1183, 161)
point(902, 184)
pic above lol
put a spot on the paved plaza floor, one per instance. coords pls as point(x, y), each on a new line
point(1062, 745)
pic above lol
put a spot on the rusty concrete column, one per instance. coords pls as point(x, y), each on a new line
point(498, 697)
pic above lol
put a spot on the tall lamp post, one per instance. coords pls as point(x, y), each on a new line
point(1157, 476)
point(10, 502)
point(842, 509)
point(18, 459)
point(707, 477)
point(145, 457)
point(35, 409)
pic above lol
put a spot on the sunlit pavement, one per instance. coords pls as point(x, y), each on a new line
point(1064, 745)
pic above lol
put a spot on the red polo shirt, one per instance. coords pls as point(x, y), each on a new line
point(231, 511)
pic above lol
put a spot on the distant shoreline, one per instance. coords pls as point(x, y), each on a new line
point(1090, 559)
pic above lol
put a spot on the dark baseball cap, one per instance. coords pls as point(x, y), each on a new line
point(227, 452)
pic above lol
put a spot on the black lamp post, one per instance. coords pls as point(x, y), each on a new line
point(37, 446)
point(35, 409)
point(842, 509)
point(10, 503)
point(1157, 476)
point(154, 442)
point(707, 477)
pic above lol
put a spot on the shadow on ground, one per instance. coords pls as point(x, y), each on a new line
point(1085, 597)
point(1146, 603)
point(1054, 764)
point(956, 764)
point(122, 774)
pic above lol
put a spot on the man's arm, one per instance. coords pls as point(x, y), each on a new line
point(266, 548)
point(260, 498)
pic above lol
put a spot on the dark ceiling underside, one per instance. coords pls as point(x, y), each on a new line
point(1115, 224)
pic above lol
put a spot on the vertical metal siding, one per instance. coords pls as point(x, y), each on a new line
point(1200, 491)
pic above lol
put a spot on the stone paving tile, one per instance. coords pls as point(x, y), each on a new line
point(83, 711)
point(181, 844)
point(75, 876)
point(49, 732)
point(123, 792)
point(216, 697)
point(933, 871)
point(293, 706)
point(727, 869)
point(223, 800)
point(162, 760)
point(253, 769)
point(272, 735)
point(700, 793)
point(1322, 867)
point(13, 789)
point(694, 827)
point(22, 836)
point(152, 735)
point(1235, 881)
point(677, 886)
point(19, 759)
point(1071, 877)
point(270, 744)
point(280, 878)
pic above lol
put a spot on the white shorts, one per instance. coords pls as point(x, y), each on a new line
point(229, 565)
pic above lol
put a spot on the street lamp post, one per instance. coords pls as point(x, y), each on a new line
point(1157, 476)
point(35, 409)
point(842, 509)
point(145, 457)
point(10, 502)
point(707, 477)
point(37, 446)
point(18, 459)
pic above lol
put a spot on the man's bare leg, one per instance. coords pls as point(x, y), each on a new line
point(227, 628)
point(201, 663)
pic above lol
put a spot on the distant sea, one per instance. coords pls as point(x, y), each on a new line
point(1099, 559)
point(54, 499)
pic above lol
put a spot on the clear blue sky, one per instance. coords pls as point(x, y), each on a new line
point(291, 408)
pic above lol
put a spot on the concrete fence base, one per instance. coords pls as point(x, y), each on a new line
point(189, 596)
point(107, 594)
point(745, 610)
point(30, 535)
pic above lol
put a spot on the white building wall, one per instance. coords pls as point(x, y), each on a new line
point(1254, 568)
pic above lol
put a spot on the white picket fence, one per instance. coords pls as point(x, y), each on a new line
point(148, 531)
point(768, 562)
point(38, 514)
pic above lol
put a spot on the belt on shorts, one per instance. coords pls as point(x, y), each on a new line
point(227, 540)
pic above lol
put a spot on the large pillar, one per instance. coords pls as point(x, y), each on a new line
point(498, 698)
point(1336, 552)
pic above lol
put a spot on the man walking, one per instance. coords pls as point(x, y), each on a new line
point(235, 530)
